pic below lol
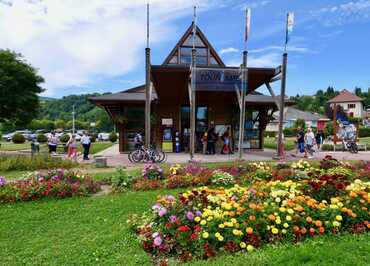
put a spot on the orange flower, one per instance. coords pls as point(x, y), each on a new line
point(295, 229)
point(309, 219)
point(249, 230)
point(312, 231)
point(318, 223)
point(303, 230)
point(321, 230)
point(252, 218)
point(271, 217)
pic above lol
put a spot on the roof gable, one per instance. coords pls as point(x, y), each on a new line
point(181, 53)
point(345, 96)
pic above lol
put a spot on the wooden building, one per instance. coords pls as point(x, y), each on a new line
point(170, 111)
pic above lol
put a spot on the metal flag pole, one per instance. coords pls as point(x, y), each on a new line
point(73, 120)
point(193, 91)
point(147, 83)
point(289, 28)
point(244, 87)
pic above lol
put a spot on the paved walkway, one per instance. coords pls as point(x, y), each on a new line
point(117, 159)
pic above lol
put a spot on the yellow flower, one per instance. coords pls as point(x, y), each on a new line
point(278, 221)
point(338, 218)
point(275, 231)
point(249, 230)
point(217, 235)
point(288, 218)
point(286, 225)
point(284, 231)
point(336, 224)
point(277, 199)
point(205, 235)
point(203, 222)
point(233, 220)
point(197, 219)
point(282, 209)
point(220, 238)
point(209, 218)
point(243, 245)
point(221, 226)
point(290, 211)
point(250, 248)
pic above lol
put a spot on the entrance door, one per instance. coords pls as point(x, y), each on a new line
point(201, 125)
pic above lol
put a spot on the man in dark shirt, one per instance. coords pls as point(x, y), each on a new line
point(300, 139)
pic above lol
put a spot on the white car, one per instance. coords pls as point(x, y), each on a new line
point(103, 136)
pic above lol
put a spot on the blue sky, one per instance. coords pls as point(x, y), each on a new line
point(98, 46)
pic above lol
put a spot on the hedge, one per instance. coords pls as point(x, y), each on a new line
point(364, 132)
point(18, 138)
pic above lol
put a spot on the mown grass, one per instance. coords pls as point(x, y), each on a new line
point(271, 143)
point(93, 231)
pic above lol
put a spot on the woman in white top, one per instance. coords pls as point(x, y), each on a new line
point(310, 141)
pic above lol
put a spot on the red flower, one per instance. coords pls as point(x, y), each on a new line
point(197, 228)
point(183, 228)
point(192, 236)
point(168, 225)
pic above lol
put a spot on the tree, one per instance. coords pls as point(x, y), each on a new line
point(19, 89)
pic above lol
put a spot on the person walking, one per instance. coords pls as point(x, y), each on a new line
point(211, 140)
point(52, 143)
point(72, 147)
point(226, 139)
point(204, 142)
point(300, 140)
point(310, 142)
point(86, 143)
point(138, 140)
point(319, 139)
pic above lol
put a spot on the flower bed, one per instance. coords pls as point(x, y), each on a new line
point(53, 184)
point(203, 222)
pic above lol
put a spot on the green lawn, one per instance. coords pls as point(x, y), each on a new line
point(93, 231)
point(271, 143)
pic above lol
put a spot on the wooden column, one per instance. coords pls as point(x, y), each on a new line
point(121, 140)
point(147, 97)
point(335, 123)
point(243, 93)
point(282, 104)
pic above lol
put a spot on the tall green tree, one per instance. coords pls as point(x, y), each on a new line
point(19, 89)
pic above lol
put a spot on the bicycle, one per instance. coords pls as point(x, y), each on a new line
point(142, 154)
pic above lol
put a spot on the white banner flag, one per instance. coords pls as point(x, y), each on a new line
point(289, 25)
point(247, 23)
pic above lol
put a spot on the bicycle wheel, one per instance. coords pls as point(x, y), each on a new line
point(161, 156)
point(137, 156)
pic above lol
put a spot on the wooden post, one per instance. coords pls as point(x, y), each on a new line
point(147, 97)
point(244, 90)
point(280, 146)
point(335, 123)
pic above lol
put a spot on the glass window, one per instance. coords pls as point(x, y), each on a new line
point(173, 60)
point(198, 41)
point(213, 61)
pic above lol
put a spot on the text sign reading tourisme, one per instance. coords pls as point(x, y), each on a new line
point(217, 79)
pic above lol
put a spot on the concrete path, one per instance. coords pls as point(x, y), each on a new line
point(117, 159)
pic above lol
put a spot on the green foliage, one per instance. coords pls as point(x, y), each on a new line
point(42, 138)
point(64, 138)
point(290, 132)
point(93, 137)
point(19, 89)
point(364, 132)
point(121, 181)
point(300, 123)
point(11, 163)
point(270, 134)
point(18, 138)
point(113, 137)
point(329, 129)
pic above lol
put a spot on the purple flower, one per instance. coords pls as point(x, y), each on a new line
point(173, 218)
point(157, 241)
point(233, 198)
point(198, 213)
point(2, 181)
point(55, 178)
point(156, 206)
point(252, 191)
point(170, 198)
point(190, 216)
point(154, 235)
point(162, 211)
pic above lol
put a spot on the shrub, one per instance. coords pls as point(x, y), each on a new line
point(93, 137)
point(221, 178)
point(270, 134)
point(64, 138)
point(152, 171)
point(290, 132)
point(121, 181)
point(25, 163)
point(42, 138)
point(364, 132)
point(18, 138)
point(113, 137)
point(327, 147)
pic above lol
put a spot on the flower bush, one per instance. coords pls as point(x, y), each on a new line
point(152, 171)
point(121, 181)
point(53, 184)
point(204, 221)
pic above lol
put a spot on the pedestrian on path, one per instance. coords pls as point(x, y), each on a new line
point(300, 140)
point(310, 143)
point(86, 143)
point(72, 147)
point(52, 143)
point(226, 139)
point(211, 140)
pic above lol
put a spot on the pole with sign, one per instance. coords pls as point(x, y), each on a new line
point(147, 86)
point(244, 86)
point(193, 91)
point(289, 29)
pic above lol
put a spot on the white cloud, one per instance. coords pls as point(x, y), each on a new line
point(335, 15)
point(228, 50)
point(73, 43)
point(266, 60)
point(254, 4)
point(291, 48)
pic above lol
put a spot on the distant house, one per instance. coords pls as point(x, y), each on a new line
point(352, 104)
point(291, 115)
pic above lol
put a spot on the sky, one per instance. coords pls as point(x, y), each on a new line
point(88, 46)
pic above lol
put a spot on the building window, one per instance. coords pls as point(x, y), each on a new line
point(201, 55)
point(351, 106)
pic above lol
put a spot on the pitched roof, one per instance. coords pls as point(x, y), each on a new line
point(345, 96)
point(291, 113)
point(203, 38)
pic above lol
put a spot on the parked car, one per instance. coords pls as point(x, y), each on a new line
point(103, 136)
point(28, 135)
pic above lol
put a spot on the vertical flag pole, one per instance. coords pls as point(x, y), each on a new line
point(289, 29)
point(147, 84)
point(193, 90)
point(244, 86)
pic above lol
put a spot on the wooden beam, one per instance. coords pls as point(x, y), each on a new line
point(273, 95)
point(237, 90)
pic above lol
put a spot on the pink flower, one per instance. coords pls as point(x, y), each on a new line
point(173, 218)
point(190, 216)
point(162, 211)
point(157, 241)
